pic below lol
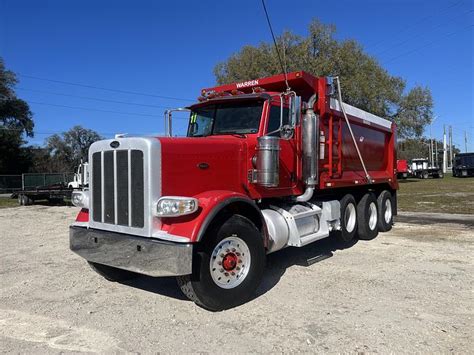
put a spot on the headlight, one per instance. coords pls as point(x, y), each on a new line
point(80, 199)
point(173, 206)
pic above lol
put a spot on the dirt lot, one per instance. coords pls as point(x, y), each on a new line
point(409, 290)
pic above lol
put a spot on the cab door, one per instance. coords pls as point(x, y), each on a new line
point(288, 152)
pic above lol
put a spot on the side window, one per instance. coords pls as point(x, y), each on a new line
point(200, 122)
point(274, 121)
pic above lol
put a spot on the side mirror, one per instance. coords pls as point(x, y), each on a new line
point(286, 132)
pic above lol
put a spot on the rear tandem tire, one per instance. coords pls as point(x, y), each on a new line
point(367, 217)
point(348, 219)
point(226, 251)
point(111, 273)
point(385, 209)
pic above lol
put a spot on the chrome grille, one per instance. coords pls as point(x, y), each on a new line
point(118, 187)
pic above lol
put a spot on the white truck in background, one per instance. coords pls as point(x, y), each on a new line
point(81, 177)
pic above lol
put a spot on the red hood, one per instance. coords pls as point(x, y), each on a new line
point(194, 165)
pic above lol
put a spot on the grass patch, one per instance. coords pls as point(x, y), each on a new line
point(6, 202)
point(447, 195)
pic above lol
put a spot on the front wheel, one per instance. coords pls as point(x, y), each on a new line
point(229, 268)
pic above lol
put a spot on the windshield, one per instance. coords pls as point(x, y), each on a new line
point(467, 160)
point(225, 118)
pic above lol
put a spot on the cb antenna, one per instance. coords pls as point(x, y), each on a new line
point(283, 66)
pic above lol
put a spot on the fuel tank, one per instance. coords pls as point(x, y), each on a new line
point(194, 165)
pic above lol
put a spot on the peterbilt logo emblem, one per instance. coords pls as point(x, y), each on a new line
point(247, 84)
point(115, 144)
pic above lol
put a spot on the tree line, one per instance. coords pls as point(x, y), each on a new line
point(62, 152)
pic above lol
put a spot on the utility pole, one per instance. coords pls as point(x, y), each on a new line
point(436, 153)
point(445, 153)
point(465, 141)
point(451, 146)
point(431, 146)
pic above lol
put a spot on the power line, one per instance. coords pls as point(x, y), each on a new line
point(100, 110)
point(444, 23)
point(415, 25)
point(427, 45)
point(91, 98)
point(46, 132)
point(283, 67)
point(103, 88)
point(93, 109)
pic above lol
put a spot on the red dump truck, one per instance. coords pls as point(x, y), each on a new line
point(266, 164)
point(402, 169)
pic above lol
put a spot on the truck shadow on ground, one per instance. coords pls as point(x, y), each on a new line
point(277, 264)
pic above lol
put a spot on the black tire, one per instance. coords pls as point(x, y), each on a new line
point(385, 211)
point(111, 273)
point(202, 287)
point(26, 200)
point(367, 211)
point(348, 219)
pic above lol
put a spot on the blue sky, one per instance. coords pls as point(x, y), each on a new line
point(170, 48)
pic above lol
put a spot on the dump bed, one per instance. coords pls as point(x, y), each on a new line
point(338, 162)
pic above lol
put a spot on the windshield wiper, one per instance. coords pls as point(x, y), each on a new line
point(235, 134)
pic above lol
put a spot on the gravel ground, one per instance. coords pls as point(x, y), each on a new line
point(409, 290)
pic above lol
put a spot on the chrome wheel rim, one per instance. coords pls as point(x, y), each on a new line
point(350, 217)
point(230, 262)
point(388, 211)
point(372, 216)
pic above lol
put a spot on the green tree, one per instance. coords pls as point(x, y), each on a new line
point(365, 83)
point(68, 149)
point(16, 120)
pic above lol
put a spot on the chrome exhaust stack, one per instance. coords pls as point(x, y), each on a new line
point(310, 161)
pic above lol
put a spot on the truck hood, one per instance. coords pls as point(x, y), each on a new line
point(193, 165)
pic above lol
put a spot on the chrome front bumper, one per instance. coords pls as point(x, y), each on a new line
point(138, 254)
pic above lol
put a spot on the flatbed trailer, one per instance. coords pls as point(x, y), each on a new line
point(420, 169)
point(56, 193)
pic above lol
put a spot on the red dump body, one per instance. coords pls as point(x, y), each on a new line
point(339, 164)
point(402, 166)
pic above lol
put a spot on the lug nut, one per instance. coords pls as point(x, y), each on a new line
point(238, 254)
point(233, 250)
point(240, 261)
point(221, 270)
point(226, 274)
point(232, 273)
point(219, 263)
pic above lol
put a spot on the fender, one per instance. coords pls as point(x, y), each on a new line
point(210, 204)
